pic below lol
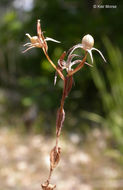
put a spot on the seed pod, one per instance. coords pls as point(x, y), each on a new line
point(54, 157)
point(59, 121)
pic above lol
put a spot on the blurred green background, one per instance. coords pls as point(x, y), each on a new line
point(28, 98)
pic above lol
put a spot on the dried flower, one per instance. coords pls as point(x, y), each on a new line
point(38, 41)
point(69, 63)
point(47, 186)
point(87, 44)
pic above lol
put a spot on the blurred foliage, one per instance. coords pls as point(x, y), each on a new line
point(110, 87)
point(27, 79)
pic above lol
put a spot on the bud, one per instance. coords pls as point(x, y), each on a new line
point(87, 42)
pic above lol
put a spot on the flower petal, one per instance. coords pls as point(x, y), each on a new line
point(55, 78)
point(28, 49)
point(79, 61)
point(61, 63)
point(27, 44)
point(75, 62)
point(99, 53)
point(28, 35)
point(71, 50)
point(71, 56)
point(39, 32)
point(89, 51)
point(51, 39)
point(88, 64)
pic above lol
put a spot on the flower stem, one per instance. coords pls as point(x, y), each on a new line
point(50, 173)
point(59, 72)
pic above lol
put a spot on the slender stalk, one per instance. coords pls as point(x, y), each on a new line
point(57, 136)
point(59, 72)
point(50, 174)
point(63, 96)
point(66, 89)
point(57, 140)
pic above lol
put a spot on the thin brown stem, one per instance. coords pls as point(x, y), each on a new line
point(63, 95)
point(59, 72)
point(50, 173)
point(62, 101)
point(57, 140)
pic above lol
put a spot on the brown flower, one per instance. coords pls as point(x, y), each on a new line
point(47, 186)
point(38, 41)
point(68, 64)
